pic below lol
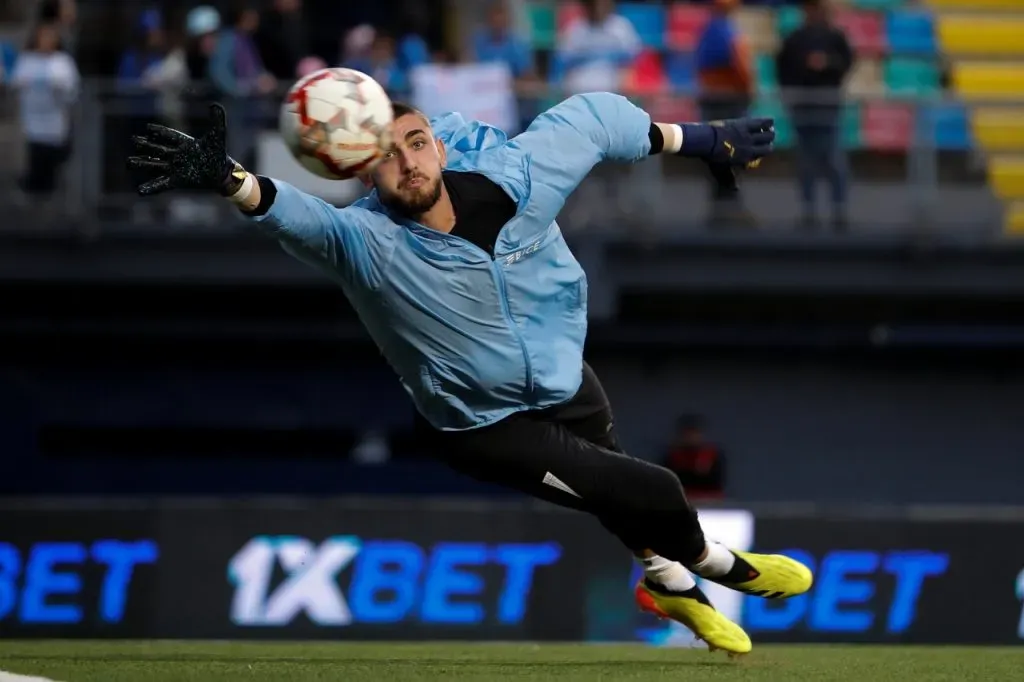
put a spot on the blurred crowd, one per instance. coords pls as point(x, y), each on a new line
point(162, 56)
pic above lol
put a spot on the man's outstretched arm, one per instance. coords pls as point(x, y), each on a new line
point(568, 140)
point(308, 228)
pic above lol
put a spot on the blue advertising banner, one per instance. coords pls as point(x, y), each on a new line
point(78, 573)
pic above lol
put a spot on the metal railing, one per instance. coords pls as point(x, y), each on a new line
point(98, 187)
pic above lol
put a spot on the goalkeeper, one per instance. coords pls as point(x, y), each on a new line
point(459, 272)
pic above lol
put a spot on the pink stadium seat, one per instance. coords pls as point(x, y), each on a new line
point(672, 108)
point(864, 30)
point(685, 23)
point(887, 126)
point(646, 76)
point(568, 12)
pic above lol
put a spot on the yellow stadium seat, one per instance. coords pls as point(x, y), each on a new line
point(999, 129)
point(865, 79)
point(973, 5)
point(989, 80)
point(966, 34)
point(1013, 221)
point(757, 25)
point(1006, 175)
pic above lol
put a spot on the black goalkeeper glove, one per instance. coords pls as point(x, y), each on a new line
point(180, 161)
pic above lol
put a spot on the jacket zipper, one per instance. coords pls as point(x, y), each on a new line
point(499, 280)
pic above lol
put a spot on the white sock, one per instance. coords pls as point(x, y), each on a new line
point(671, 575)
point(718, 562)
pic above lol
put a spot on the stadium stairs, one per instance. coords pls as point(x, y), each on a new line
point(984, 40)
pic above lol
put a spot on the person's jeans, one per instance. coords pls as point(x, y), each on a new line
point(820, 153)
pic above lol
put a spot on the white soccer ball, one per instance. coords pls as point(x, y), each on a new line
point(336, 122)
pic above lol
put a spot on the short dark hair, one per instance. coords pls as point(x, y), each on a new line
point(400, 109)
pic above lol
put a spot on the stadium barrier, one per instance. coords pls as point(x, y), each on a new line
point(417, 570)
point(98, 185)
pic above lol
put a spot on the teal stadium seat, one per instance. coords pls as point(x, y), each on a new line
point(543, 26)
point(876, 4)
point(767, 79)
point(788, 20)
point(772, 107)
point(907, 77)
point(850, 126)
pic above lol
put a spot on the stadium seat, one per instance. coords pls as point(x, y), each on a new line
point(911, 32)
point(767, 79)
point(851, 127)
point(543, 26)
point(864, 30)
point(646, 76)
point(973, 5)
point(772, 107)
point(758, 25)
point(946, 126)
point(1006, 175)
point(672, 108)
point(911, 77)
point(1014, 221)
point(999, 129)
point(876, 4)
point(980, 35)
point(787, 19)
point(989, 80)
point(681, 72)
point(648, 20)
point(865, 79)
point(888, 126)
point(685, 24)
point(568, 12)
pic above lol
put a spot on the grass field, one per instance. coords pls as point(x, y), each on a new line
point(358, 662)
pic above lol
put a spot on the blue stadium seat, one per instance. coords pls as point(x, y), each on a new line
point(947, 124)
point(681, 71)
point(911, 32)
point(648, 20)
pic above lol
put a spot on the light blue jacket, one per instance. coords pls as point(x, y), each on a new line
point(474, 338)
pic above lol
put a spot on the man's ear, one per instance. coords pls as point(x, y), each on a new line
point(442, 152)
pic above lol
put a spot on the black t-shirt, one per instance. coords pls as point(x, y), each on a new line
point(481, 208)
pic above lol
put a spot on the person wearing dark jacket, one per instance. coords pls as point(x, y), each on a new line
point(812, 64)
point(282, 39)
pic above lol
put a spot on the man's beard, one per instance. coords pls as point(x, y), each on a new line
point(415, 204)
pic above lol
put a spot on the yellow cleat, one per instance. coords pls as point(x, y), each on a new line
point(696, 613)
point(773, 576)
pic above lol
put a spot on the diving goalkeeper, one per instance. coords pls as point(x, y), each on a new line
point(459, 272)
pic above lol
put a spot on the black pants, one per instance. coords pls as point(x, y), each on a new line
point(43, 165)
point(573, 445)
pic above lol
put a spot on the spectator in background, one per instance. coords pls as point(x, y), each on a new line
point(202, 25)
point(63, 14)
point(594, 51)
point(239, 78)
point(812, 64)
point(725, 75)
point(8, 59)
point(497, 42)
point(698, 462)
point(282, 39)
point(412, 49)
point(148, 51)
point(47, 82)
point(725, 71)
point(380, 62)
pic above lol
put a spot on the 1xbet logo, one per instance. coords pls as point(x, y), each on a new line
point(389, 581)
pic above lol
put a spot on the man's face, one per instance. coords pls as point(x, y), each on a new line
point(408, 180)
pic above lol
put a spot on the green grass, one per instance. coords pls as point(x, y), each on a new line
point(356, 662)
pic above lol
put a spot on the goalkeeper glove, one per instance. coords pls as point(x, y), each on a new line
point(734, 142)
point(180, 161)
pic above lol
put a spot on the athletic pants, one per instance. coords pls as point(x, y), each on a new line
point(573, 446)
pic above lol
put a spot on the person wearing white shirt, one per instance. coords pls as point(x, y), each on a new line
point(596, 48)
point(47, 81)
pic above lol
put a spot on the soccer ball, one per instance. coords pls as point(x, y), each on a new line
point(336, 123)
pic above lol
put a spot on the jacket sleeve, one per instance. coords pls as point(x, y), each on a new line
point(339, 241)
point(564, 143)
